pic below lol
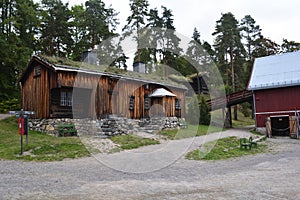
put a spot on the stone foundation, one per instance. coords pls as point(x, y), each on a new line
point(107, 127)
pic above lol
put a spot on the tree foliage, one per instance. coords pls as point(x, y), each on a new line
point(204, 112)
point(54, 28)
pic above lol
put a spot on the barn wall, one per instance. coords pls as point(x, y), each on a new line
point(274, 100)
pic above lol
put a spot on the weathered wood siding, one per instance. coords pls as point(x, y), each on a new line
point(180, 95)
point(94, 96)
point(36, 91)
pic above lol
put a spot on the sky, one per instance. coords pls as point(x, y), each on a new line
point(278, 19)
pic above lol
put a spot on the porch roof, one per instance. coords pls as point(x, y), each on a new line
point(161, 92)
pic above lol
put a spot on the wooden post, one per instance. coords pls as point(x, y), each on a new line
point(229, 116)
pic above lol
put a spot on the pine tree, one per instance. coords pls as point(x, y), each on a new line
point(55, 34)
point(136, 21)
point(290, 46)
point(170, 46)
point(228, 44)
point(100, 22)
point(251, 32)
point(79, 32)
point(265, 47)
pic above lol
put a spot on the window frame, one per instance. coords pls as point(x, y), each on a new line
point(66, 98)
point(177, 104)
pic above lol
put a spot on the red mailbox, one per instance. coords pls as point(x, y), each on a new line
point(21, 125)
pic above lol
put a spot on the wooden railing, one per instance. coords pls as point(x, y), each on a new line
point(230, 100)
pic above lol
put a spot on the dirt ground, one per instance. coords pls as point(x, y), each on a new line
point(273, 175)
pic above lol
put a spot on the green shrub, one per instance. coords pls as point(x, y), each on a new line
point(11, 104)
point(245, 109)
point(204, 112)
point(193, 111)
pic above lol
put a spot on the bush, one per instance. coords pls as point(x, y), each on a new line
point(11, 104)
point(193, 111)
point(204, 112)
point(245, 109)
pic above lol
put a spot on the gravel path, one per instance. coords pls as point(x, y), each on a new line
point(265, 176)
point(3, 116)
point(155, 157)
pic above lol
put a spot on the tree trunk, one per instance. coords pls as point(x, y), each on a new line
point(199, 89)
point(233, 82)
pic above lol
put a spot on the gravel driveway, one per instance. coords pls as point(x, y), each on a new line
point(265, 176)
point(3, 116)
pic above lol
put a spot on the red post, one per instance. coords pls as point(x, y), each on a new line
point(21, 125)
point(21, 131)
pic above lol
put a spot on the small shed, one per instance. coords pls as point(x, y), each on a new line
point(275, 82)
point(59, 88)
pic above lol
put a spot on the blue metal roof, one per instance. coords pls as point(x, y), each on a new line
point(282, 70)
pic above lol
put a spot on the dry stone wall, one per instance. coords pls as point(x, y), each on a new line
point(107, 127)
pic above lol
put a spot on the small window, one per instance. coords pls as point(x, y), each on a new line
point(37, 70)
point(66, 98)
point(63, 98)
point(69, 99)
point(177, 104)
point(131, 103)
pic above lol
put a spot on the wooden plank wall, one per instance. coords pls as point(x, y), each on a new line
point(36, 92)
point(106, 95)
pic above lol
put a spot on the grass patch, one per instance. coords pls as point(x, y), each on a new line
point(191, 131)
point(224, 148)
point(256, 132)
point(241, 122)
point(41, 147)
point(132, 141)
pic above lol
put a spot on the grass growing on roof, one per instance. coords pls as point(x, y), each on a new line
point(41, 147)
point(154, 76)
point(224, 148)
point(132, 141)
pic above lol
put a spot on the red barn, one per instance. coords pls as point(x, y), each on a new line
point(275, 82)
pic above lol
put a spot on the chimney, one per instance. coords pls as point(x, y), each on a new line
point(90, 57)
point(139, 67)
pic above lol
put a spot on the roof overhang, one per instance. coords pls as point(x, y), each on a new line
point(64, 68)
point(275, 71)
point(161, 92)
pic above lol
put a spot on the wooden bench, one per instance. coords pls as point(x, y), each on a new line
point(252, 142)
point(244, 143)
point(64, 129)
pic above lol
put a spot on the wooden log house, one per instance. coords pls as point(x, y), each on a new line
point(55, 90)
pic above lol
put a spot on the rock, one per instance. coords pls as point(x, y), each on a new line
point(49, 128)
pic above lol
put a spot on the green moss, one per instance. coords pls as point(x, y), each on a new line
point(155, 76)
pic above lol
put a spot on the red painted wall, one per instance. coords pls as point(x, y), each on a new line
point(274, 100)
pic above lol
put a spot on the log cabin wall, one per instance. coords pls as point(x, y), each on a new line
point(97, 95)
point(36, 90)
point(84, 87)
point(180, 95)
point(123, 90)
